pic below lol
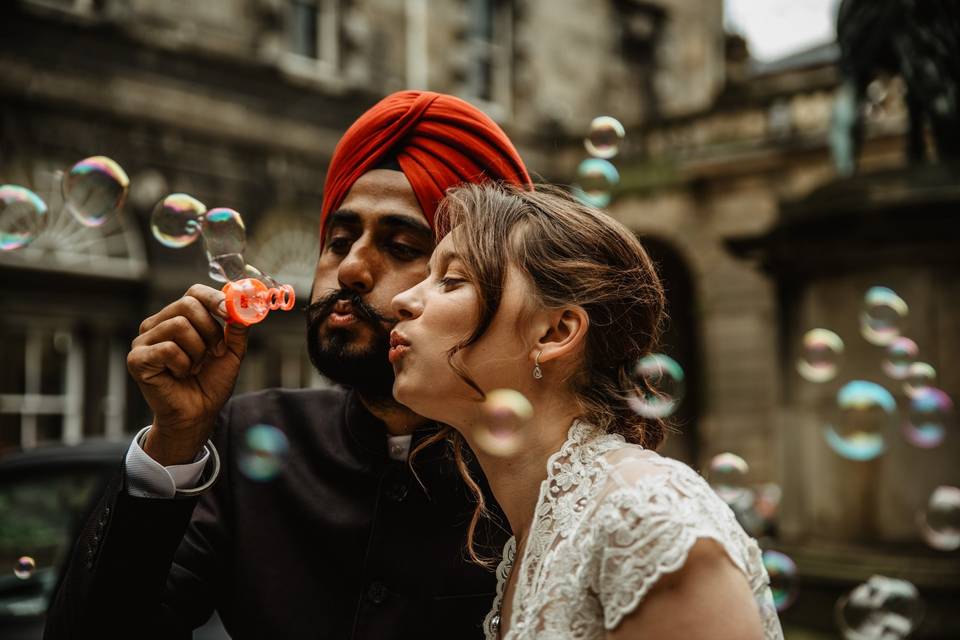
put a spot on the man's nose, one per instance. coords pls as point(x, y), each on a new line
point(357, 270)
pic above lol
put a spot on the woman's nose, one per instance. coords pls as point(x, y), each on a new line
point(406, 304)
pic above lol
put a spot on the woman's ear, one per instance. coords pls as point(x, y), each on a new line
point(565, 334)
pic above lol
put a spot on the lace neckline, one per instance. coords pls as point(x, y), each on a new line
point(567, 469)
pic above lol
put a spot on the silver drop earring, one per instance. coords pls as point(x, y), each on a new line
point(537, 371)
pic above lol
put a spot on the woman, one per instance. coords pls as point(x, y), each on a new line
point(534, 292)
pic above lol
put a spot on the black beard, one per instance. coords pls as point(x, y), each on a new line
point(368, 371)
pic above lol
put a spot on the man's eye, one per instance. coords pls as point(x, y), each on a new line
point(339, 245)
point(404, 251)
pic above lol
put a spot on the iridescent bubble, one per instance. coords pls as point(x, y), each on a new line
point(901, 353)
point(880, 609)
point(820, 355)
point(882, 317)
point(929, 412)
point(596, 179)
point(224, 232)
point(224, 237)
point(24, 567)
point(93, 189)
point(766, 505)
point(940, 522)
point(783, 578)
point(23, 215)
point(264, 452)
point(177, 220)
point(727, 475)
point(919, 375)
point(251, 271)
point(864, 414)
point(604, 137)
point(661, 385)
point(505, 412)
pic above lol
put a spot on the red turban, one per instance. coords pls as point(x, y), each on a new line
point(439, 141)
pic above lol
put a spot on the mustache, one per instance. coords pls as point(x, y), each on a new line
point(316, 311)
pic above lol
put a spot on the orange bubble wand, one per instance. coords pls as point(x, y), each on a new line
point(249, 300)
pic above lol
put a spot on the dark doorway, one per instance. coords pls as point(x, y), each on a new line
point(680, 343)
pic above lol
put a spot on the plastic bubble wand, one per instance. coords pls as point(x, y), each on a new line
point(179, 219)
point(249, 300)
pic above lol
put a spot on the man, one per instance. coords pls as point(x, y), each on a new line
point(345, 542)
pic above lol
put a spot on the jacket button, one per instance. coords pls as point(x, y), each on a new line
point(377, 592)
point(397, 492)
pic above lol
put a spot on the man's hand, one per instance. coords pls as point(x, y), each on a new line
point(186, 364)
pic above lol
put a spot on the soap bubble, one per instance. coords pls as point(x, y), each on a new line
point(766, 508)
point(264, 452)
point(24, 567)
point(93, 189)
point(919, 375)
point(940, 522)
point(177, 220)
point(756, 508)
point(505, 411)
point(880, 609)
point(227, 268)
point(661, 384)
point(250, 271)
point(864, 414)
point(224, 237)
point(820, 355)
point(23, 215)
point(603, 140)
point(882, 317)
point(929, 412)
point(901, 353)
point(783, 578)
point(727, 475)
point(596, 179)
point(224, 232)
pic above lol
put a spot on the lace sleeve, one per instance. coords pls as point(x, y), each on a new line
point(643, 530)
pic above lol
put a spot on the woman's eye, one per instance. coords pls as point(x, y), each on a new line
point(450, 283)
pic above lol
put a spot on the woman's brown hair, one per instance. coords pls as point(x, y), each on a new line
point(573, 255)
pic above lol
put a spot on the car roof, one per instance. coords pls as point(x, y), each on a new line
point(91, 453)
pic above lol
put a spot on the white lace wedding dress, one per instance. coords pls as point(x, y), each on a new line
point(611, 519)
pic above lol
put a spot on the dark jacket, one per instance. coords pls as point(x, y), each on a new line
point(344, 543)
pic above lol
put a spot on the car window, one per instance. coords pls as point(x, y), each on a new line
point(38, 516)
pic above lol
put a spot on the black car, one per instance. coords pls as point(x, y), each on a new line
point(45, 495)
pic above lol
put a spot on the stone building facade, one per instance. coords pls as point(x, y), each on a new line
point(240, 103)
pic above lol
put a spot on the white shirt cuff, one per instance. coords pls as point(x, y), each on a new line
point(147, 478)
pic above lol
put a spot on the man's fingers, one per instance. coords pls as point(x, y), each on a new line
point(198, 302)
point(144, 362)
point(212, 299)
point(178, 330)
point(235, 339)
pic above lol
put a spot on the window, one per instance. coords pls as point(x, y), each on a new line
point(418, 60)
point(70, 7)
point(313, 35)
point(41, 386)
point(490, 41)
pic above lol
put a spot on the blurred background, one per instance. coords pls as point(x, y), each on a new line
point(799, 195)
